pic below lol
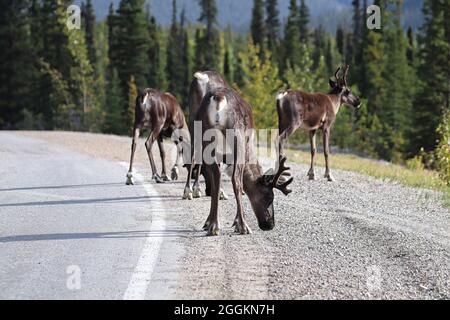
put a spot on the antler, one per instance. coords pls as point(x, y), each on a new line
point(336, 75)
point(282, 184)
point(347, 67)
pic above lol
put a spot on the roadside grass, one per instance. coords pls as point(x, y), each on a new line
point(419, 178)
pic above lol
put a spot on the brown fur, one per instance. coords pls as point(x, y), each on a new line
point(162, 115)
point(311, 112)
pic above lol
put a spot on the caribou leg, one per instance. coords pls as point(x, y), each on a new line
point(188, 193)
point(240, 224)
point(174, 175)
point(197, 192)
point(212, 223)
point(326, 150)
point(149, 145)
point(136, 132)
point(162, 153)
point(312, 140)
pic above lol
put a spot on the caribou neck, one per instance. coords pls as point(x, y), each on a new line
point(335, 101)
point(252, 173)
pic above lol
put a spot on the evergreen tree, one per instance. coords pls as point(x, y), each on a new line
point(88, 15)
point(292, 34)
point(131, 106)
point(329, 57)
point(357, 23)
point(303, 21)
point(399, 81)
point(411, 51)
point(208, 41)
point(156, 74)
point(17, 70)
point(301, 76)
point(260, 84)
point(175, 67)
point(340, 41)
point(273, 27)
point(111, 21)
point(257, 27)
point(114, 108)
point(56, 53)
point(131, 44)
point(434, 71)
point(319, 46)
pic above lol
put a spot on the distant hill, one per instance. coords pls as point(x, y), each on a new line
point(237, 13)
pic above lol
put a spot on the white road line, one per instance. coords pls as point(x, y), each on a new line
point(142, 275)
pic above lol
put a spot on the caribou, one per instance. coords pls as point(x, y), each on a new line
point(161, 114)
point(223, 110)
point(202, 83)
point(314, 111)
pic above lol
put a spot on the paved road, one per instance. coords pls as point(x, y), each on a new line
point(64, 214)
point(356, 238)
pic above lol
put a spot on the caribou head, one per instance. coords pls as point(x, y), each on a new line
point(339, 86)
point(261, 192)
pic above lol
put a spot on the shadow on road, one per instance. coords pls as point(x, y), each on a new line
point(65, 187)
point(175, 233)
point(89, 201)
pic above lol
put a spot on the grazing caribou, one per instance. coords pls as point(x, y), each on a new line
point(314, 111)
point(202, 83)
point(161, 114)
point(223, 110)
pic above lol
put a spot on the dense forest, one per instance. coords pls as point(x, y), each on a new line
point(53, 78)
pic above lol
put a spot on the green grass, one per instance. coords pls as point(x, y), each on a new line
point(419, 178)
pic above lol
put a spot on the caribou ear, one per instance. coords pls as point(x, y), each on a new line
point(333, 84)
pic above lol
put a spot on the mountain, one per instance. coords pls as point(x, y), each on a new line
point(237, 13)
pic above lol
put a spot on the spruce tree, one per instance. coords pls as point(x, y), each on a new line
point(131, 47)
point(88, 15)
point(399, 82)
point(16, 68)
point(303, 21)
point(156, 73)
point(434, 72)
point(273, 27)
point(114, 123)
point(257, 26)
point(291, 36)
point(208, 40)
point(55, 53)
point(175, 67)
point(131, 106)
point(261, 82)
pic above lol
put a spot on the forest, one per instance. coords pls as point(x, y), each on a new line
point(53, 78)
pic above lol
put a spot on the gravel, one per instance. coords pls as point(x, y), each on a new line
point(356, 238)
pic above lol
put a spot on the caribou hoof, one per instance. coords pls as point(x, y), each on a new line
point(130, 181)
point(213, 230)
point(197, 193)
point(158, 179)
point(206, 225)
point(188, 195)
point(242, 228)
point(174, 174)
point(312, 176)
point(165, 178)
point(329, 177)
point(223, 195)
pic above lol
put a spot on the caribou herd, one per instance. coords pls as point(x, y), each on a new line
point(221, 131)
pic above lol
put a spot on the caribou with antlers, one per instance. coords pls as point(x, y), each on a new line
point(161, 114)
point(314, 111)
point(223, 110)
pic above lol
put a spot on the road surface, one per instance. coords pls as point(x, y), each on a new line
point(71, 229)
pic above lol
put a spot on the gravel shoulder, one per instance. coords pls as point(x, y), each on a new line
point(357, 238)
